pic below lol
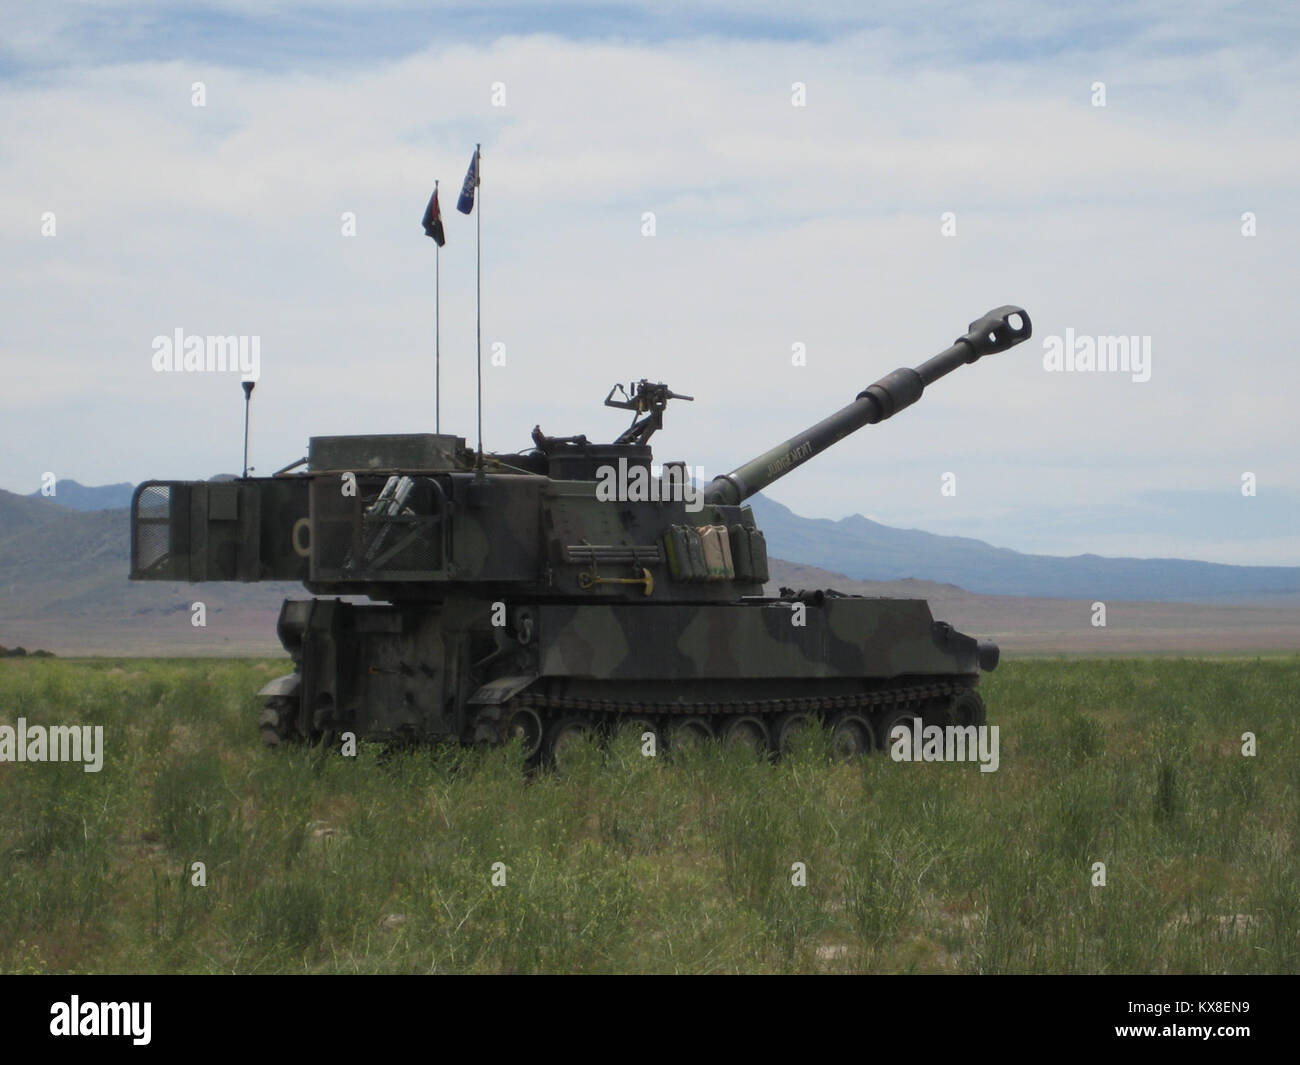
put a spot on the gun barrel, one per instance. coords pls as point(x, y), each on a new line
point(997, 331)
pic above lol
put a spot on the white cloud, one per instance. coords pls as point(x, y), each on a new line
point(775, 224)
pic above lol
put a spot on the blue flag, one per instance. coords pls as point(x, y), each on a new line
point(466, 202)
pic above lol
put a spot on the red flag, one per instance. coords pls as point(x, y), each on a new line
point(433, 220)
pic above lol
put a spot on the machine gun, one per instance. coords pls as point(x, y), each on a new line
point(646, 399)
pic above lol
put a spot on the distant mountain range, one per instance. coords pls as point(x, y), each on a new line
point(63, 585)
point(866, 550)
point(77, 496)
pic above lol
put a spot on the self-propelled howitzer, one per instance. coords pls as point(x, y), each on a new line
point(565, 589)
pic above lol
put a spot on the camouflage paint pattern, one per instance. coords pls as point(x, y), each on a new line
point(492, 577)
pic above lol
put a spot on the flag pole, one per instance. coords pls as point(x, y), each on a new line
point(478, 323)
point(437, 341)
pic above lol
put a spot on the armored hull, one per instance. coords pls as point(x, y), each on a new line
point(766, 664)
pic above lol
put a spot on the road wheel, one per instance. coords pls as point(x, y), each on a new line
point(564, 736)
point(632, 729)
point(967, 709)
point(748, 732)
point(687, 733)
point(893, 717)
point(851, 736)
point(791, 728)
point(524, 724)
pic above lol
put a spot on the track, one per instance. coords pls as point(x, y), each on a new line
point(545, 723)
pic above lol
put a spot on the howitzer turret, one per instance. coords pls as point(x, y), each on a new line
point(547, 593)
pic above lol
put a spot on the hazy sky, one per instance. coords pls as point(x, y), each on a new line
point(775, 225)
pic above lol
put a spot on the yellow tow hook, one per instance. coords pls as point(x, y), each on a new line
point(587, 581)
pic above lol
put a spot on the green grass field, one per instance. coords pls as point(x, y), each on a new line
point(384, 862)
